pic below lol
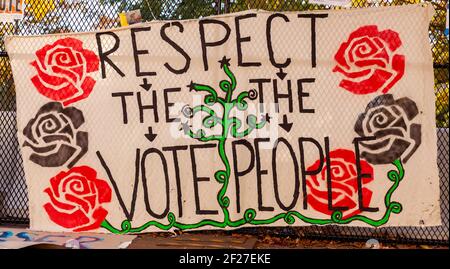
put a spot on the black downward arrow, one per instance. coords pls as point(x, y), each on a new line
point(281, 74)
point(150, 136)
point(146, 85)
point(285, 124)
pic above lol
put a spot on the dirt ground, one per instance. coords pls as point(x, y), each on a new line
point(267, 238)
point(239, 240)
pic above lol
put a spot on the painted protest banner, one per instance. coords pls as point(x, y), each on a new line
point(11, 10)
point(245, 119)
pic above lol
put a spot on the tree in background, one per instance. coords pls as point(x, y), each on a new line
point(168, 9)
point(56, 16)
point(440, 56)
point(191, 9)
point(271, 5)
point(148, 11)
point(39, 9)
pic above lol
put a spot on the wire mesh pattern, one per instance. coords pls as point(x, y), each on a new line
point(59, 16)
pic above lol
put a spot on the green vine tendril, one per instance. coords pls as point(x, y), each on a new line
point(232, 125)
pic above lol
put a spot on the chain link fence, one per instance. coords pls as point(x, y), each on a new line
point(57, 16)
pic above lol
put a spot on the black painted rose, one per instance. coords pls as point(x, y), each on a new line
point(391, 123)
point(54, 136)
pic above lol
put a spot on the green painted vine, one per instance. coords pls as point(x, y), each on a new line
point(231, 125)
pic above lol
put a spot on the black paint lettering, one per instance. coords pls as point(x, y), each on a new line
point(104, 55)
point(313, 34)
point(153, 106)
point(305, 173)
point(205, 43)
point(129, 214)
point(287, 95)
point(275, 176)
point(240, 40)
point(198, 179)
point(137, 52)
point(123, 96)
point(260, 82)
point(302, 94)
point(259, 174)
point(168, 105)
point(329, 179)
point(238, 173)
point(144, 183)
point(360, 176)
point(177, 175)
point(269, 41)
point(174, 45)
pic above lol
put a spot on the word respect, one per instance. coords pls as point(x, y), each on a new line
point(212, 33)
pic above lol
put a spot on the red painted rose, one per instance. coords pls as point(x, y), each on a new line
point(76, 199)
point(369, 62)
point(62, 71)
point(343, 183)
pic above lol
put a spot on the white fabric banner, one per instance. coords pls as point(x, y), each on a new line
point(245, 119)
